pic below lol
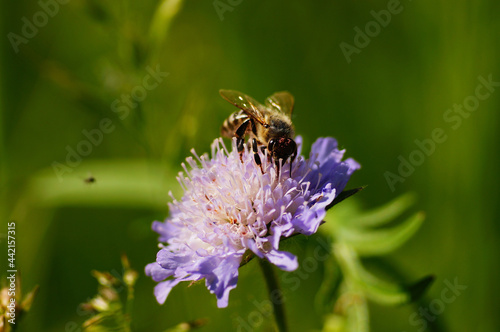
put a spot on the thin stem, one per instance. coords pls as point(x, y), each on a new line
point(275, 295)
point(128, 308)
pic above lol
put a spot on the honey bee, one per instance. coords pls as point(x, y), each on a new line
point(268, 126)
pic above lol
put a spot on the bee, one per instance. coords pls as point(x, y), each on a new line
point(268, 126)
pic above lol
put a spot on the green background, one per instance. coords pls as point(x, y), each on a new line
point(394, 91)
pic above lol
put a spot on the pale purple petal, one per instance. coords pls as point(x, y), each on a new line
point(224, 278)
point(156, 272)
point(326, 148)
point(163, 289)
point(282, 259)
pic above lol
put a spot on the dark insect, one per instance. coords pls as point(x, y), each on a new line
point(89, 179)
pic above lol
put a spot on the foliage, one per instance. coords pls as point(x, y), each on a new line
point(358, 234)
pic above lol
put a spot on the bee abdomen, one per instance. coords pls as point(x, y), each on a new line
point(232, 123)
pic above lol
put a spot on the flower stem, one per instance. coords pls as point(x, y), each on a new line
point(275, 295)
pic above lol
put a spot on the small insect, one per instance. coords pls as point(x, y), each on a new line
point(269, 126)
point(89, 179)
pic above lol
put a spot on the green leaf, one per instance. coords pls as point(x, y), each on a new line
point(334, 323)
point(367, 242)
point(351, 312)
point(29, 298)
point(358, 318)
point(137, 183)
point(326, 294)
point(385, 213)
point(374, 288)
point(160, 25)
point(418, 289)
point(343, 195)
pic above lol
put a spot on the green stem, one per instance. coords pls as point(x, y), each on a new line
point(128, 308)
point(275, 295)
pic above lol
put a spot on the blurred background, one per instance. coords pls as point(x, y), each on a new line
point(121, 91)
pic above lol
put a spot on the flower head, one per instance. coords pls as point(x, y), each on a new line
point(231, 205)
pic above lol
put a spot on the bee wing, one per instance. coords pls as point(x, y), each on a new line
point(246, 103)
point(282, 102)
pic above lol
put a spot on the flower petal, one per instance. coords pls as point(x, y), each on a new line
point(163, 289)
point(326, 148)
point(224, 278)
point(156, 272)
point(283, 259)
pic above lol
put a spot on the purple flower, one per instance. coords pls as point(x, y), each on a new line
point(229, 206)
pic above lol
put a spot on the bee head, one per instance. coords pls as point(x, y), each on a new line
point(282, 148)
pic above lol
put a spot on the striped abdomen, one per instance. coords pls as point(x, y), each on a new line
point(232, 123)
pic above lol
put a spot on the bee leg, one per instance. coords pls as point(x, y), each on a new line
point(240, 137)
point(256, 154)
